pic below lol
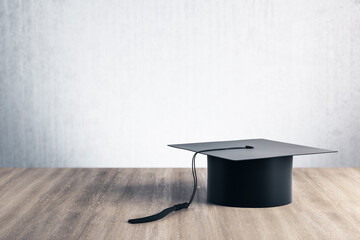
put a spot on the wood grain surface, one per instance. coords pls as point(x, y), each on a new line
point(96, 204)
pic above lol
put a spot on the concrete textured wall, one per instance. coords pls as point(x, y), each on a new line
point(110, 83)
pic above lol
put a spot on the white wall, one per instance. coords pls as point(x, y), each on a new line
point(111, 83)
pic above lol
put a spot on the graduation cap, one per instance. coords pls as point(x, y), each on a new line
point(244, 173)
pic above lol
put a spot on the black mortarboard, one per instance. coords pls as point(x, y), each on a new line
point(244, 173)
point(259, 149)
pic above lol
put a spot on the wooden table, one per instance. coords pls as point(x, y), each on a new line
point(96, 204)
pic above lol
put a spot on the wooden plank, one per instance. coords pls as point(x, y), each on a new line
point(96, 204)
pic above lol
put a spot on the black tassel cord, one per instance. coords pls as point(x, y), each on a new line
point(180, 206)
